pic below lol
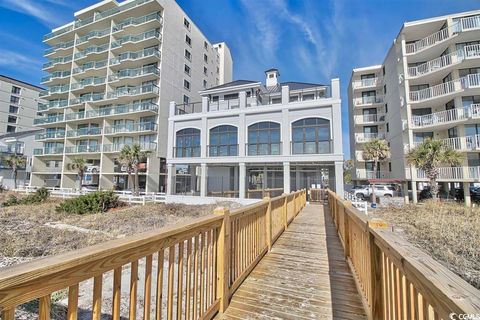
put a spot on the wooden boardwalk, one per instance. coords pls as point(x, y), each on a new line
point(304, 276)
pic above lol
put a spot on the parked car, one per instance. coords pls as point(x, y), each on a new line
point(92, 168)
point(474, 194)
point(380, 191)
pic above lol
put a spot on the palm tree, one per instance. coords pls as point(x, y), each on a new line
point(79, 165)
point(429, 156)
point(131, 157)
point(377, 151)
point(15, 161)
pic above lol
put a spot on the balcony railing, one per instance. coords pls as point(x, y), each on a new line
point(75, 115)
point(468, 143)
point(136, 38)
point(90, 50)
point(49, 119)
point(55, 75)
point(312, 147)
point(264, 149)
point(91, 81)
point(122, 109)
point(131, 73)
point(369, 100)
point(186, 152)
point(58, 32)
point(82, 149)
point(368, 174)
point(50, 135)
point(369, 118)
point(135, 55)
point(61, 45)
point(137, 21)
point(55, 90)
point(468, 52)
point(188, 108)
point(132, 91)
point(117, 147)
point(131, 127)
point(91, 65)
point(447, 116)
point(89, 97)
point(93, 34)
point(56, 61)
point(84, 132)
point(223, 105)
point(225, 150)
point(365, 137)
point(365, 83)
point(47, 151)
point(457, 85)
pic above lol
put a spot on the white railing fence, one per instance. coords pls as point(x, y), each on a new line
point(466, 82)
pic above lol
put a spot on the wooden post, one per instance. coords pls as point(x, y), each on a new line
point(268, 223)
point(346, 228)
point(285, 211)
point(376, 285)
point(223, 262)
point(8, 314)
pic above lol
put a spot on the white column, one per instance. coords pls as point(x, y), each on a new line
point(285, 95)
point(414, 191)
point(285, 129)
point(405, 192)
point(204, 138)
point(205, 104)
point(242, 177)
point(336, 122)
point(242, 99)
point(286, 177)
point(203, 180)
point(466, 194)
point(242, 135)
point(339, 178)
point(170, 177)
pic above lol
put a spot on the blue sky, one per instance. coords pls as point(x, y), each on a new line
point(308, 40)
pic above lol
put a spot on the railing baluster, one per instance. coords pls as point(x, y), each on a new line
point(44, 308)
point(72, 302)
point(147, 297)
point(195, 277)
point(159, 305)
point(180, 280)
point(188, 284)
point(97, 297)
point(8, 314)
point(117, 289)
point(202, 274)
point(133, 290)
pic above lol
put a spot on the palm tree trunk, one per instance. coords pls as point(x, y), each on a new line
point(374, 197)
point(15, 179)
point(135, 170)
point(129, 181)
point(434, 188)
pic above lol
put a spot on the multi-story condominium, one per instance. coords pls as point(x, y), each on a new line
point(111, 75)
point(427, 87)
point(19, 102)
point(248, 140)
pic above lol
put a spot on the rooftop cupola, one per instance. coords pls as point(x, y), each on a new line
point(272, 77)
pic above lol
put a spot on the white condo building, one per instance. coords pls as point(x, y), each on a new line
point(427, 87)
point(247, 139)
point(111, 74)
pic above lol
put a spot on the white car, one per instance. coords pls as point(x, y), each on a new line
point(380, 191)
point(91, 168)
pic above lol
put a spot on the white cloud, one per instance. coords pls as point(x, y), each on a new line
point(11, 59)
point(34, 9)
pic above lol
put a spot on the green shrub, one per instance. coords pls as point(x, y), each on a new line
point(95, 202)
point(39, 196)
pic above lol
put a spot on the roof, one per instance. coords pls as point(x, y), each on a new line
point(293, 85)
point(272, 69)
point(232, 84)
point(19, 134)
point(10, 79)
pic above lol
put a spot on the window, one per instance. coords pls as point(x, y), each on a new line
point(186, 84)
point(186, 23)
point(388, 127)
point(187, 143)
point(16, 90)
point(188, 55)
point(204, 84)
point(384, 89)
point(383, 70)
point(205, 45)
point(186, 99)
point(13, 109)
point(223, 141)
point(205, 58)
point(205, 70)
point(311, 136)
point(264, 139)
point(187, 69)
point(14, 99)
point(12, 119)
point(188, 40)
point(11, 129)
point(386, 107)
point(369, 97)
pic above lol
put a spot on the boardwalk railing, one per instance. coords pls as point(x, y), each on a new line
point(397, 280)
point(199, 266)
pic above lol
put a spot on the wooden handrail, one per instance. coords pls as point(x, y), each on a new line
point(203, 262)
point(396, 279)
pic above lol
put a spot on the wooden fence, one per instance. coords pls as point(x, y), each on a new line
point(199, 266)
point(396, 280)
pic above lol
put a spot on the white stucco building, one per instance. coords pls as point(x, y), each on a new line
point(111, 75)
point(247, 139)
point(428, 86)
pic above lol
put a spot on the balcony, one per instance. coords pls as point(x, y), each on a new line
point(367, 174)
point(368, 101)
point(453, 174)
point(468, 52)
point(312, 147)
point(462, 25)
point(61, 45)
point(132, 91)
point(446, 117)
point(366, 137)
point(50, 135)
point(75, 116)
point(227, 150)
point(94, 131)
point(55, 90)
point(468, 143)
point(151, 34)
point(117, 147)
point(13, 149)
point(264, 149)
point(83, 149)
point(88, 82)
point(48, 151)
point(96, 34)
point(57, 33)
point(137, 21)
point(54, 62)
point(91, 50)
point(49, 119)
point(468, 82)
point(58, 103)
point(90, 97)
point(91, 65)
point(135, 55)
point(131, 127)
point(366, 83)
point(228, 104)
point(132, 73)
point(186, 152)
point(370, 118)
point(123, 109)
point(56, 75)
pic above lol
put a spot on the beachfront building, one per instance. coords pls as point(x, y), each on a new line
point(427, 87)
point(247, 139)
point(111, 74)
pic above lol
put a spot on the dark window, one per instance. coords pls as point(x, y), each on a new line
point(205, 70)
point(205, 45)
point(223, 141)
point(205, 84)
point(383, 70)
point(186, 23)
point(13, 109)
point(187, 69)
point(388, 127)
point(14, 99)
point(386, 107)
point(311, 136)
point(384, 89)
point(12, 119)
point(16, 90)
point(186, 84)
point(187, 143)
point(188, 55)
point(186, 99)
point(390, 166)
point(188, 40)
point(11, 129)
point(205, 58)
point(264, 139)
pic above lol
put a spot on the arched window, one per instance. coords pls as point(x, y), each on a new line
point(264, 139)
point(187, 143)
point(311, 136)
point(223, 141)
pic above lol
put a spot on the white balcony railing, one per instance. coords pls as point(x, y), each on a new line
point(367, 174)
point(369, 100)
point(468, 52)
point(444, 173)
point(365, 137)
point(457, 85)
point(369, 118)
point(447, 116)
point(365, 83)
point(468, 143)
